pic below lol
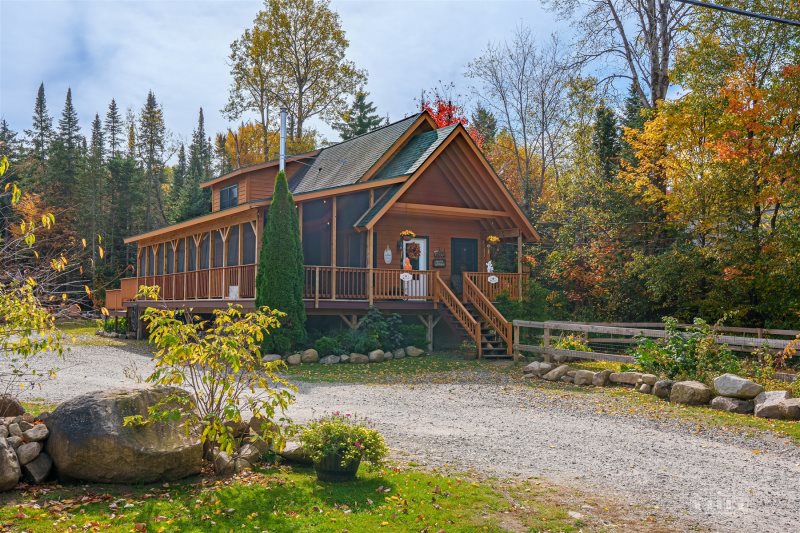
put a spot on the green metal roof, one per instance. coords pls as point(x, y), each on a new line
point(414, 153)
point(384, 199)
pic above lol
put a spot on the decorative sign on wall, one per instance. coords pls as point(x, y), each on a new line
point(439, 260)
point(387, 255)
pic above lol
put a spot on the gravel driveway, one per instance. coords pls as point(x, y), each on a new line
point(722, 480)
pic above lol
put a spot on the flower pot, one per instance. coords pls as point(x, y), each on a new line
point(406, 237)
point(330, 469)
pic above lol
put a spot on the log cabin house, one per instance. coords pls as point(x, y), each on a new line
point(354, 199)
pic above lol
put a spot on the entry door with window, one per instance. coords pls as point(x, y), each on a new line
point(418, 285)
point(463, 258)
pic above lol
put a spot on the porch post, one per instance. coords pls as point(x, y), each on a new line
point(333, 249)
point(370, 262)
point(519, 263)
point(185, 264)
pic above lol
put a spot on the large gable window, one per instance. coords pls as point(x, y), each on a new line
point(229, 197)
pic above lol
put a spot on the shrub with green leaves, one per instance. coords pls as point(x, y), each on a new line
point(328, 346)
point(385, 329)
point(220, 364)
point(344, 436)
point(414, 335)
point(571, 342)
point(692, 354)
point(117, 324)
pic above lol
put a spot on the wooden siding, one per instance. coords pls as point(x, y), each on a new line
point(434, 187)
point(257, 184)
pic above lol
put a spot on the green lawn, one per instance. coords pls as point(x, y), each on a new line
point(285, 499)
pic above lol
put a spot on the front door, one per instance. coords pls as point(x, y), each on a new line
point(463, 258)
point(416, 250)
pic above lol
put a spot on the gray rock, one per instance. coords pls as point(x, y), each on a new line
point(584, 377)
point(310, 356)
point(250, 453)
point(557, 373)
point(601, 378)
point(89, 441)
point(27, 452)
point(791, 409)
point(330, 360)
point(399, 353)
point(239, 429)
point(567, 379)
point(344, 358)
point(14, 430)
point(733, 405)
point(270, 357)
point(625, 378)
point(37, 433)
point(650, 379)
point(24, 425)
point(9, 467)
point(571, 373)
point(224, 464)
point(14, 441)
point(413, 351)
point(388, 356)
point(358, 359)
point(690, 393)
point(260, 425)
point(295, 453)
point(376, 356)
point(3, 431)
point(10, 406)
point(770, 404)
point(644, 388)
point(294, 359)
point(537, 368)
point(38, 470)
point(734, 386)
point(662, 388)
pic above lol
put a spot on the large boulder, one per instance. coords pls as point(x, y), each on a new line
point(690, 393)
point(310, 356)
point(330, 360)
point(649, 379)
point(601, 378)
point(9, 466)
point(399, 353)
point(771, 404)
point(89, 441)
point(557, 373)
point(625, 378)
point(294, 452)
point(662, 388)
point(36, 433)
point(294, 359)
point(358, 359)
point(734, 386)
point(791, 409)
point(583, 377)
point(733, 405)
point(28, 452)
point(271, 357)
point(10, 406)
point(376, 356)
point(38, 470)
point(413, 351)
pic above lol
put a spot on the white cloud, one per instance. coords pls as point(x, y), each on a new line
point(179, 50)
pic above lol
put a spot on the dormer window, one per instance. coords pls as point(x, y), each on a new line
point(229, 197)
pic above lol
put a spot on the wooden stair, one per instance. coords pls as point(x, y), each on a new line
point(492, 343)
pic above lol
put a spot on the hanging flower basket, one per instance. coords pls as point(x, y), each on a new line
point(492, 240)
point(413, 251)
point(407, 234)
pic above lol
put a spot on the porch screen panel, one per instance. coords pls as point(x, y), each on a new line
point(160, 259)
point(179, 267)
point(317, 232)
point(205, 249)
point(351, 245)
point(151, 261)
point(249, 245)
point(170, 258)
point(218, 249)
point(142, 263)
point(233, 246)
point(192, 254)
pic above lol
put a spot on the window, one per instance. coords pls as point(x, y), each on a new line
point(233, 246)
point(229, 197)
point(317, 232)
point(351, 245)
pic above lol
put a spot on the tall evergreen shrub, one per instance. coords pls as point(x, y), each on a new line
point(279, 280)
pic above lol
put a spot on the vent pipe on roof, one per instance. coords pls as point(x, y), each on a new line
point(282, 153)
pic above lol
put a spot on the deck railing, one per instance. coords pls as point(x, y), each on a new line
point(444, 295)
point(510, 283)
point(488, 311)
point(353, 283)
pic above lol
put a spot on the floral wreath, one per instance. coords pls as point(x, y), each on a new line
point(413, 251)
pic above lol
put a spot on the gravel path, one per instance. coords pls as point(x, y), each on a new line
point(723, 480)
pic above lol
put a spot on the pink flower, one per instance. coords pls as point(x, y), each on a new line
point(358, 445)
point(347, 415)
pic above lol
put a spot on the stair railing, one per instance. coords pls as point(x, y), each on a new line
point(471, 326)
point(473, 295)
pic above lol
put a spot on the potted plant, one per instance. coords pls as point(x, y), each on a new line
point(407, 234)
point(338, 443)
point(492, 242)
point(528, 262)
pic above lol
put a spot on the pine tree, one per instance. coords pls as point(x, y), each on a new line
point(113, 129)
point(179, 173)
point(92, 190)
point(361, 118)
point(40, 136)
point(279, 279)
point(223, 162)
point(485, 122)
point(194, 200)
point(151, 146)
point(10, 148)
point(633, 117)
point(66, 157)
point(605, 142)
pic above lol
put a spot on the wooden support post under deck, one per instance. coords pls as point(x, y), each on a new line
point(333, 249)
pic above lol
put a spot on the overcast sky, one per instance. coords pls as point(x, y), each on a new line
point(122, 49)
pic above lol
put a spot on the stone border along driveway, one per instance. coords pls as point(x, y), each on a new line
point(723, 480)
